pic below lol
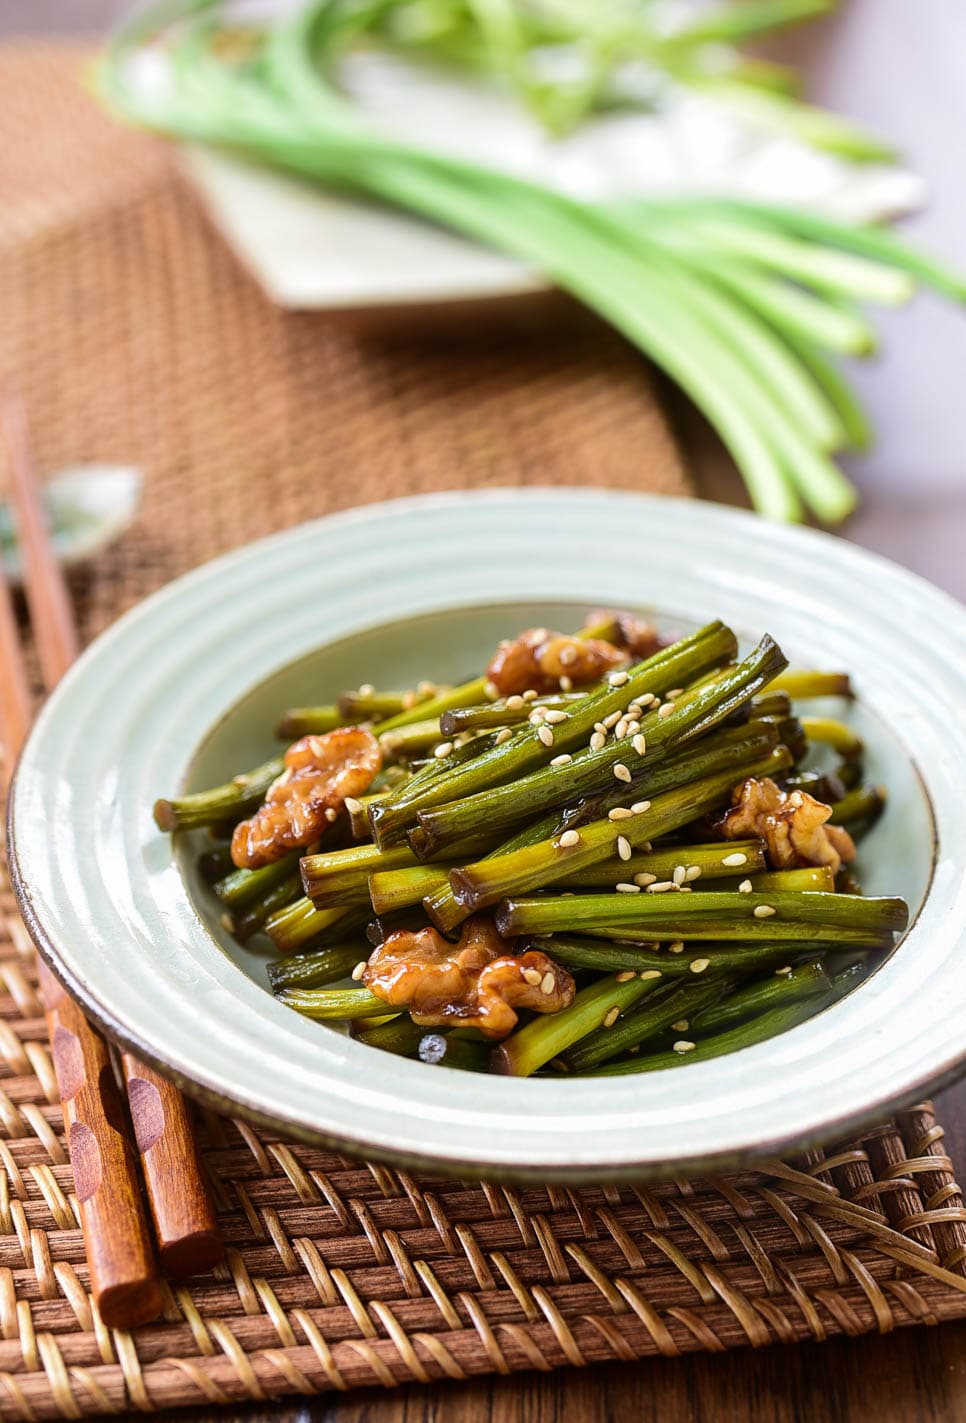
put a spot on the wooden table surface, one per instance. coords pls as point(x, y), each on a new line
point(913, 1376)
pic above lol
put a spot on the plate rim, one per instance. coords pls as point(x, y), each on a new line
point(445, 501)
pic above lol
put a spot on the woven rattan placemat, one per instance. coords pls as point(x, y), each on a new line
point(137, 339)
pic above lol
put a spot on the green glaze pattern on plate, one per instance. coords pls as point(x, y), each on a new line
point(186, 688)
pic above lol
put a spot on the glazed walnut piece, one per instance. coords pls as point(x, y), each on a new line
point(639, 637)
point(792, 825)
point(538, 658)
point(472, 984)
point(320, 773)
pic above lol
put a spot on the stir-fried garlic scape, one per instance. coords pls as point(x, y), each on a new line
point(610, 853)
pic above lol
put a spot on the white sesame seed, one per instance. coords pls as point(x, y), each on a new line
point(555, 717)
point(699, 965)
point(359, 970)
point(795, 799)
point(666, 710)
point(745, 887)
point(644, 879)
point(692, 872)
point(621, 772)
point(568, 838)
point(503, 735)
point(661, 886)
point(536, 716)
point(611, 1016)
point(646, 699)
point(409, 700)
point(443, 749)
point(633, 726)
point(366, 690)
point(568, 654)
point(599, 726)
point(620, 730)
point(515, 703)
point(784, 971)
point(227, 922)
point(647, 973)
point(619, 812)
point(547, 983)
point(611, 720)
point(639, 743)
point(532, 975)
point(490, 690)
point(676, 948)
point(681, 1026)
point(763, 911)
point(682, 1046)
point(564, 759)
point(545, 735)
point(618, 679)
point(331, 814)
point(624, 847)
point(674, 692)
point(598, 741)
point(640, 807)
point(634, 710)
point(427, 689)
point(623, 888)
point(733, 861)
point(625, 975)
point(352, 805)
point(678, 874)
point(529, 695)
point(566, 685)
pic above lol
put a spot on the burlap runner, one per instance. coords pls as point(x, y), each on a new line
point(137, 338)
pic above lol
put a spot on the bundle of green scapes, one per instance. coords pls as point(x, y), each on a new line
point(746, 305)
point(585, 826)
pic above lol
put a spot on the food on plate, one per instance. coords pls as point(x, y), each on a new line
point(611, 852)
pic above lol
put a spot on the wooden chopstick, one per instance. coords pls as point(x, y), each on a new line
point(51, 616)
point(14, 691)
point(185, 1226)
point(117, 1240)
point(184, 1219)
point(120, 1255)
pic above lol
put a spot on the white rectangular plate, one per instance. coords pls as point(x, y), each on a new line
point(312, 249)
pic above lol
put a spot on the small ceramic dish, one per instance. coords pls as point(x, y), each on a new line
point(185, 690)
point(88, 508)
